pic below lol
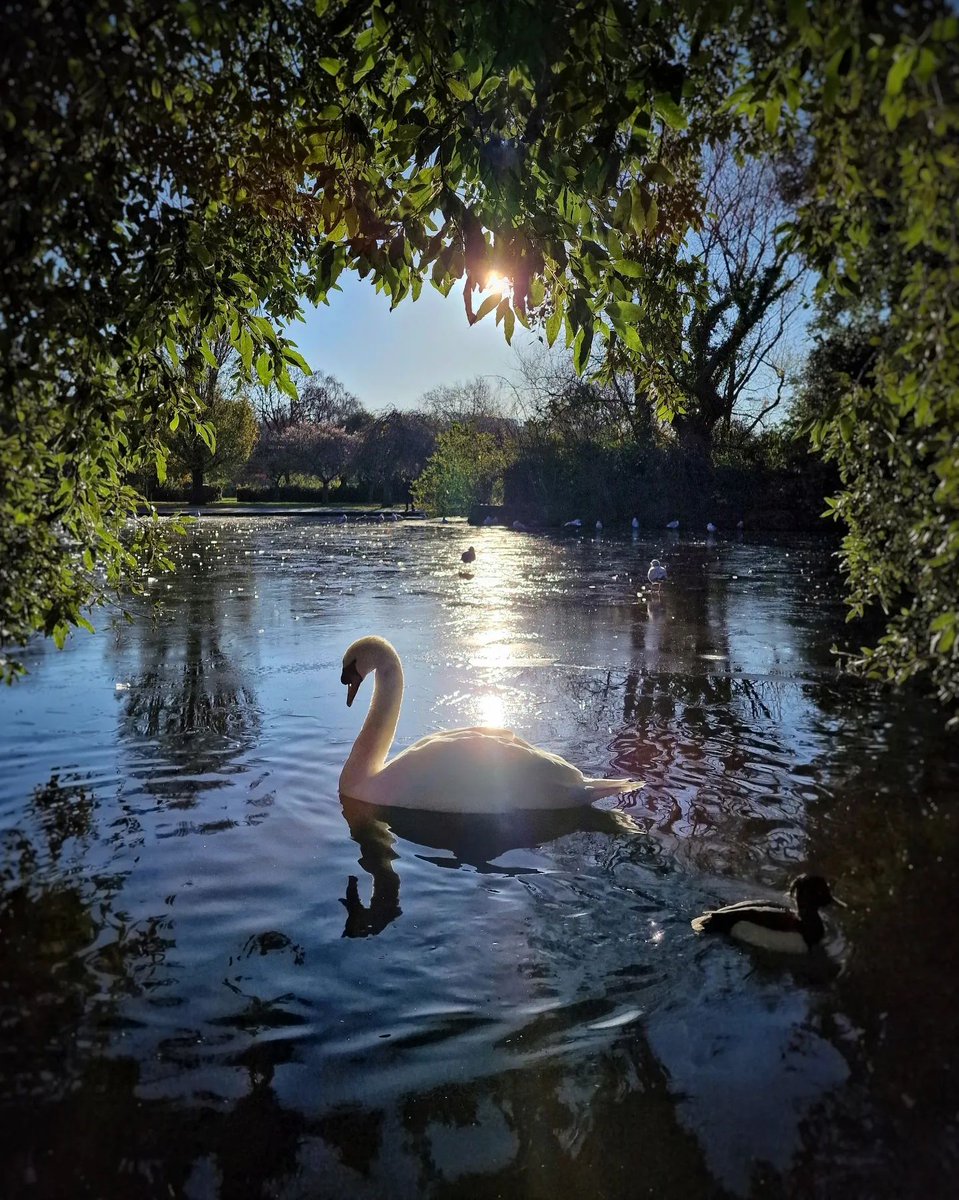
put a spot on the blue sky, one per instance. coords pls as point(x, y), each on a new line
point(391, 358)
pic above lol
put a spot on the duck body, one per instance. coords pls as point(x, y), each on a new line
point(468, 556)
point(470, 770)
point(775, 926)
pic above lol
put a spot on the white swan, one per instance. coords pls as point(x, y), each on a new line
point(672, 524)
point(457, 770)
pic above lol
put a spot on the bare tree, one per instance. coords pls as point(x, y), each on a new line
point(394, 450)
point(320, 400)
point(732, 361)
point(476, 403)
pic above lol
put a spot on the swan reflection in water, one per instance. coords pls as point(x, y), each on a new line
point(473, 839)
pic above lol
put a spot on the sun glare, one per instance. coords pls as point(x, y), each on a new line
point(490, 710)
point(495, 282)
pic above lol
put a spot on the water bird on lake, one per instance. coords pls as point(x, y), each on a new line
point(710, 527)
point(469, 555)
point(574, 524)
point(775, 926)
point(487, 520)
point(672, 524)
point(656, 572)
point(599, 526)
point(519, 527)
point(635, 522)
point(740, 524)
point(457, 770)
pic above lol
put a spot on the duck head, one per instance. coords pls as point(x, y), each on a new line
point(812, 891)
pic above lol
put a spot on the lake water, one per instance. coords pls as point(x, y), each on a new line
point(217, 981)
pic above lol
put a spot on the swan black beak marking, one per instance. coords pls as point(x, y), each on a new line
point(352, 678)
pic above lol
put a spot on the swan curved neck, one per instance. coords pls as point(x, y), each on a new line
point(375, 738)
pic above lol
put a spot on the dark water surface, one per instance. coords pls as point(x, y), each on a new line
point(196, 1001)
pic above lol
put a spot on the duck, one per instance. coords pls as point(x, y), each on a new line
point(599, 526)
point(487, 520)
point(519, 527)
point(469, 555)
point(656, 572)
point(635, 522)
point(775, 926)
point(480, 770)
point(710, 527)
point(672, 524)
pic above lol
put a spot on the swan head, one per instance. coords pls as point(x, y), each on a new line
point(362, 659)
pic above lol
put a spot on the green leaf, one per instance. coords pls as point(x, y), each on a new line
point(553, 323)
point(245, 348)
point(899, 71)
point(627, 267)
point(667, 108)
point(509, 323)
point(174, 422)
point(292, 355)
point(460, 90)
point(321, 7)
point(264, 368)
point(171, 350)
point(582, 346)
point(622, 312)
point(332, 66)
point(487, 306)
point(659, 173)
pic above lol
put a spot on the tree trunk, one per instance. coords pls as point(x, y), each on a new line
point(196, 486)
point(326, 491)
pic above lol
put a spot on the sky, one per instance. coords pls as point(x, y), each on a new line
point(391, 358)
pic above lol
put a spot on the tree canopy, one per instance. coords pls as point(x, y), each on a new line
point(199, 168)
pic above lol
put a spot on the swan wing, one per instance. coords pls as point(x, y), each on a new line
point(479, 770)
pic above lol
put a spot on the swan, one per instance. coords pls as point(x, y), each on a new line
point(574, 524)
point(456, 770)
point(599, 526)
point(672, 524)
point(635, 522)
point(710, 527)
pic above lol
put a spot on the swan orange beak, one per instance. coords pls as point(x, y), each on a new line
point(352, 678)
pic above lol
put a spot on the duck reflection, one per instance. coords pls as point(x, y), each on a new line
point(474, 840)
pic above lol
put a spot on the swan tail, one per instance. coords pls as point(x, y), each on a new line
point(598, 788)
point(701, 923)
